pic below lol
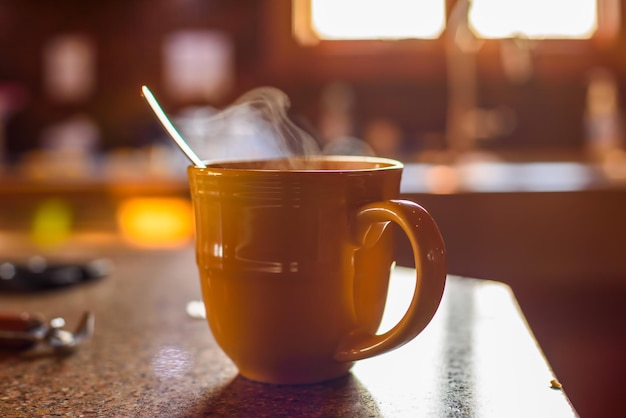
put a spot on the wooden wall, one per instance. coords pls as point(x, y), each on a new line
point(405, 83)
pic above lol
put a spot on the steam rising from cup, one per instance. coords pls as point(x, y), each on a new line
point(265, 108)
point(255, 127)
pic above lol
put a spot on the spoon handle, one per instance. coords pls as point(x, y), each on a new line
point(169, 127)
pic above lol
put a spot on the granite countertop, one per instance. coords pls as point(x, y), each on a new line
point(149, 358)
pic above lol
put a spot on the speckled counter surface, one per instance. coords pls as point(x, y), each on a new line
point(149, 358)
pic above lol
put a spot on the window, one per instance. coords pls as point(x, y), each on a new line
point(349, 20)
point(534, 19)
point(352, 39)
point(375, 19)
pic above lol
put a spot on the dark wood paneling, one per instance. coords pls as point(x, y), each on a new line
point(404, 80)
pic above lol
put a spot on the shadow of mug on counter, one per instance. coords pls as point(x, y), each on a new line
point(294, 260)
point(345, 396)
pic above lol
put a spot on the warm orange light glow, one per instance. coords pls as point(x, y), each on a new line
point(155, 222)
point(375, 19)
point(535, 19)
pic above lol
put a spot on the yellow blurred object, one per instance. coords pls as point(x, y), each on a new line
point(52, 223)
point(156, 222)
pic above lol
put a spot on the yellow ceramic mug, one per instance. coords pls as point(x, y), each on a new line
point(294, 260)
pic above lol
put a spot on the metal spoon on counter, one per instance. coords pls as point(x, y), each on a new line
point(169, 127)
point(24, 331)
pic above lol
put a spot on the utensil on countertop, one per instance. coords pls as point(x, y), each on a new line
point(169, 127)
point(40, 274)
point(24, 331)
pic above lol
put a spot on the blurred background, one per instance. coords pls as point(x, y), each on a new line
point(509, 116)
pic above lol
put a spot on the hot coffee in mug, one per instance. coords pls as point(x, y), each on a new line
point(294, 259)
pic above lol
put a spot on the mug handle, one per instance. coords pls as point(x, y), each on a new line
point(430, 265)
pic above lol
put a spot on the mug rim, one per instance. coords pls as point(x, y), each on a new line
point(376, 164)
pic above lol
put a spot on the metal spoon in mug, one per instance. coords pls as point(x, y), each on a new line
point(169, 127)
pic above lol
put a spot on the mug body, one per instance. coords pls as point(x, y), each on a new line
point(282, 277)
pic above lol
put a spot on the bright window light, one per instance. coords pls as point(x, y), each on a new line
point(535, 19)
point(376, 19)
